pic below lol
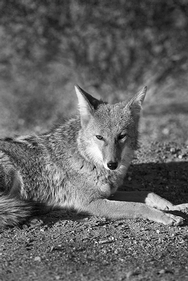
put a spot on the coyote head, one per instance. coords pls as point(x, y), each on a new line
point(109, 133)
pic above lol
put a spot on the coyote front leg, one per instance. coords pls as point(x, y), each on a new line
point(151, 199)
point(160, 203)
point(119, 209)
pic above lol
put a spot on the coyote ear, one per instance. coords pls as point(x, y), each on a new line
point(135, 104)
point(86, 103)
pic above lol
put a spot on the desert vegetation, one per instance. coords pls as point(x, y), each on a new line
point(110, 48)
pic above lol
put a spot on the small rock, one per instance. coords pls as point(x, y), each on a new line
point(173, 150)
point(162, 271)
point(37, 259)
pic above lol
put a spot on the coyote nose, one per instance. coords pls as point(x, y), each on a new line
point(112, 165)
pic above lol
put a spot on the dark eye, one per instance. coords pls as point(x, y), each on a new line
point(122, 136)
point(99, 137)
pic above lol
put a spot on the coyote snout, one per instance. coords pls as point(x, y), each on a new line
point(111, 156)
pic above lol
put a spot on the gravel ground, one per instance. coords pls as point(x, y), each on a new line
point(65, 246)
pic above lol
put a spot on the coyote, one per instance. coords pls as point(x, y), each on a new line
point(80, 164)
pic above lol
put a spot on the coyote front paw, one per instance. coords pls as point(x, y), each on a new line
point(170, 219)
point(181, 208)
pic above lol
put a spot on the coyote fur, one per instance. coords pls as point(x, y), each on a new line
point(80, 164)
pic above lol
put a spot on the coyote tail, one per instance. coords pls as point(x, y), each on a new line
point(14, 211)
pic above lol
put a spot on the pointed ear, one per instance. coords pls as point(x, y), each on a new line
point(135, 104)
point(86, 103)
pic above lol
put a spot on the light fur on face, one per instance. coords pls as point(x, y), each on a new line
point(94, 152)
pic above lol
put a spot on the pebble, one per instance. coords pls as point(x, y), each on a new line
point(37, 259)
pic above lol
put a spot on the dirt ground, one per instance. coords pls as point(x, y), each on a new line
point(65, 246)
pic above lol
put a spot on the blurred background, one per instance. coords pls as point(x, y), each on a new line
point(110, 48)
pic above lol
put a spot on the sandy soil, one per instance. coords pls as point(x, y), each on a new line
point(65, 246)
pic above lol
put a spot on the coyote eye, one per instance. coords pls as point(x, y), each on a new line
point(99, 137)
point(122, 136)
